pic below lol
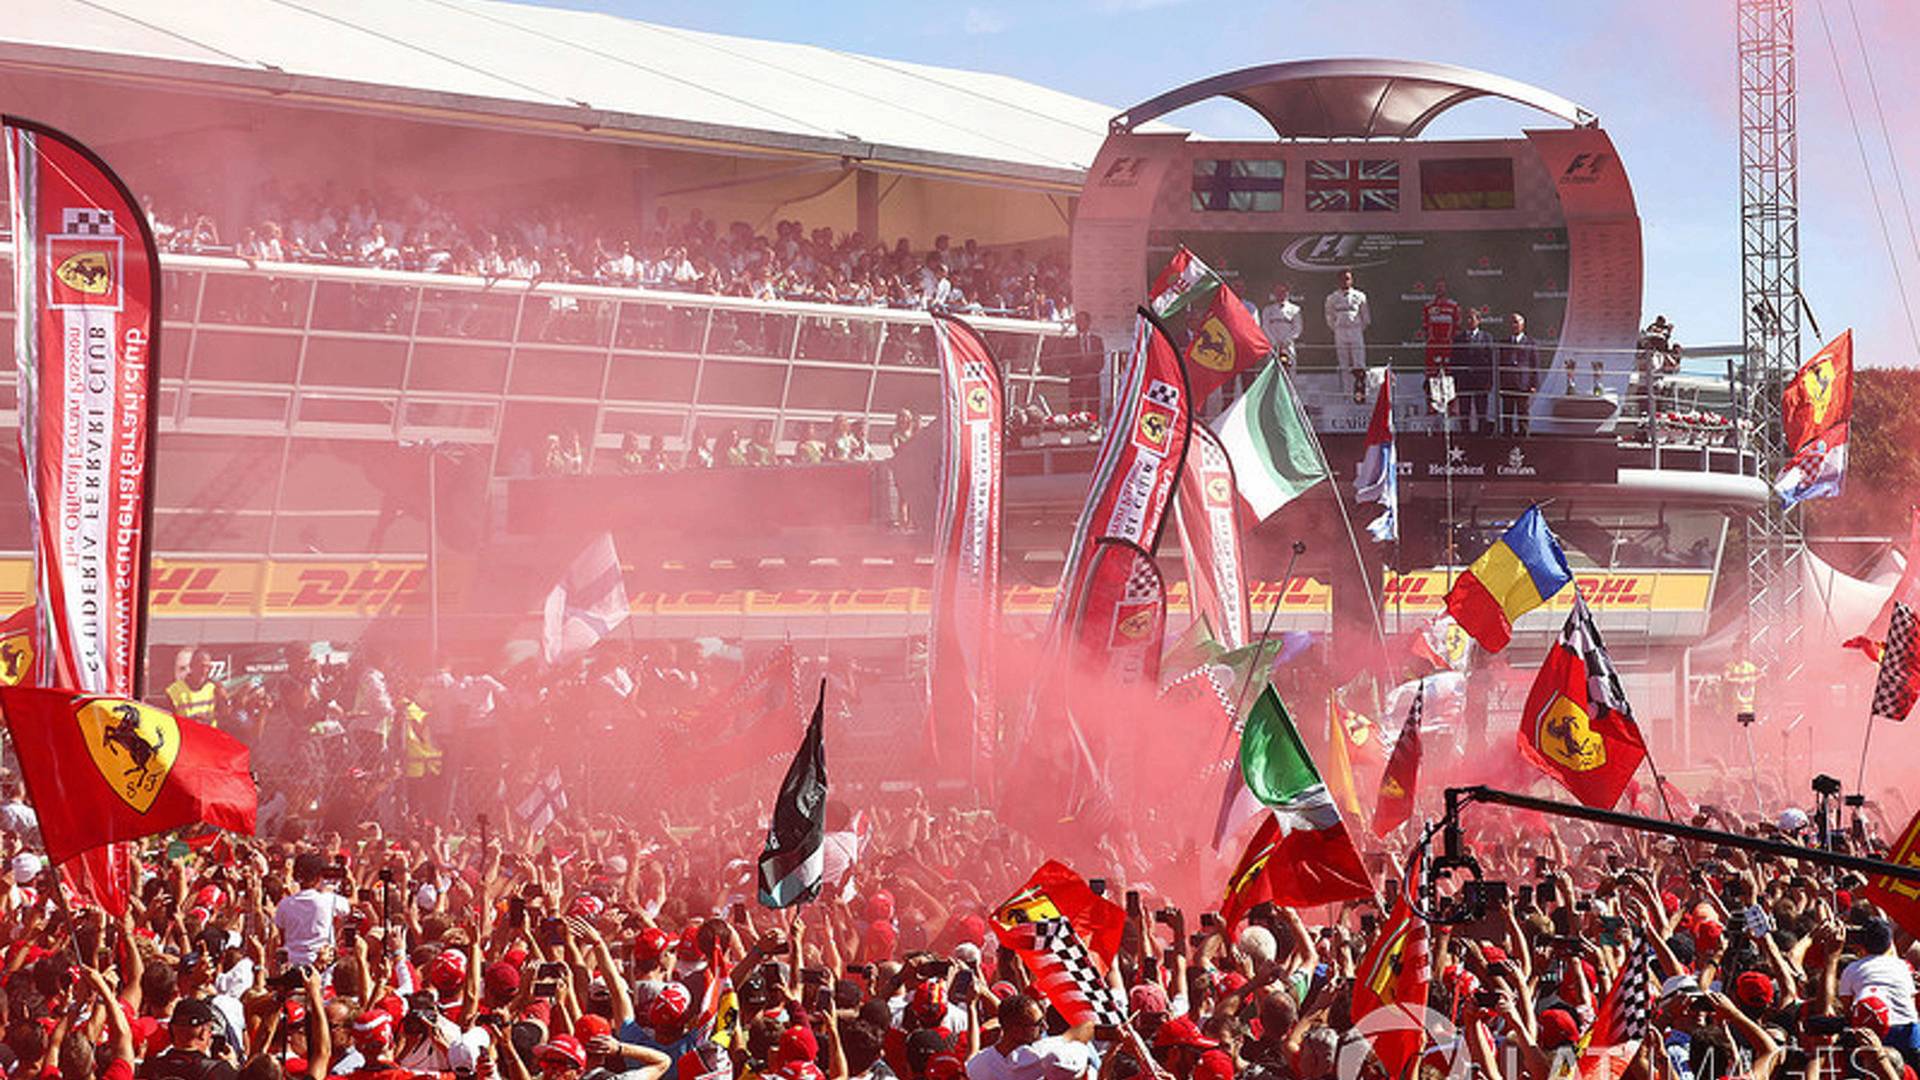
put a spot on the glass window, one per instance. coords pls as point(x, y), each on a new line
point(476, 417)
point(652, 378)
point(738, 382)
point(907, 345)
point(846, 340)
point(216, 473)
point(255, 300)
point(895, 390)
point(239, 356)
point(465, 313)
point(206, 405)
point(566, 320)
point(368, 412)
point(661, 327)
point(367, 309)
point(557, 373)
point(525, 431)
point(224, 531)
point(354, 362)
point(469, 369)
point(751, 333)
point(834, 389)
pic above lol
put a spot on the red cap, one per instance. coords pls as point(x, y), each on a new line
point(448, 970)
point(973, 928)
point(1213, 1065)
point(1557, 1028)
point(1870, 1011)
point(564, 1048)
point(652, 944)
point(1494, 954)
point(880, 905)
point(945, 1067)
point(590, 1026)
point(796, 1045)
point(500, 980)
point(1148, 998)
point(1707, 936)
point(373, 1030)
point(930, 998)
point(669, 1007)
point(1753, 989)
point(1182, 1031)
point(587, 906)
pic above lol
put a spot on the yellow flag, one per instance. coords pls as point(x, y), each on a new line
point(1340, 760)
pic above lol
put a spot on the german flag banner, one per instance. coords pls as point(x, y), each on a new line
point(104, 770)
point(966, 575)
point(87, 287)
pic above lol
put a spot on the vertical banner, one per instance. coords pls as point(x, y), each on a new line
point(966, 569)
point(1118, 622)
point(1210, 540)
point(87, 292)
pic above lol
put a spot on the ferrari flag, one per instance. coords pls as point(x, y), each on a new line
point(1393, 976)
point(1577, 726)
point(101, 770)
point(1401, 779)
point(966, 575)
point(1067, 936)
point(1227, 343)
point(86, 287)
point(1816, 412)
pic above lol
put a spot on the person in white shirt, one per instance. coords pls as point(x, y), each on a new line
point(1025, 1051)
point(305, 918)
point(16, 816)
point(1281, 321)
point(1881, 973)
point(1348, 317)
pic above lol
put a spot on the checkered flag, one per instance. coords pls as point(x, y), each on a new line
point(1163, 393)
point(974, 369)
point(1899, 683)
point(1069, 977)
point(87, 222)
point(1143, 582)
point(1622, 1020)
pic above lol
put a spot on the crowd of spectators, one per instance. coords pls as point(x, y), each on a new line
point(578, 245)
point(381, 941)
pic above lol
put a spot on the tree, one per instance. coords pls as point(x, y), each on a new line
point(1883, 459)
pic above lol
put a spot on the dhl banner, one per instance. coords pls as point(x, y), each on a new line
point(240, 588)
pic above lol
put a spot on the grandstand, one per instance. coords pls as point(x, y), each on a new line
point(420, 230)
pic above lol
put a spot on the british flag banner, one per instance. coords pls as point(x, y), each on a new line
point(1353, 185)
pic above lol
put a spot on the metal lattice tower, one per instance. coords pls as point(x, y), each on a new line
point(1770, 303)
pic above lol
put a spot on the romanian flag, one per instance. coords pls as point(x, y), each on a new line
point(1522, 570)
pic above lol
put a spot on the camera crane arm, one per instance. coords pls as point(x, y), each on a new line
point(1453, 854)
point(1458, 798)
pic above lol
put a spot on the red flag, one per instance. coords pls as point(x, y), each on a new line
point(1053, 896)
point(966, 579)
point(1295, 867)
point(1900, 899)
point(1401, 779)
point(1820, 395)
point(1210, 541)
point(103, 770)
point(1577, 726)
point(1227, 342)
point(1394, 975)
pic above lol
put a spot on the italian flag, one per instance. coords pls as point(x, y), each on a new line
point(1184, 281)
point(1302, 854)
point(1275, 459)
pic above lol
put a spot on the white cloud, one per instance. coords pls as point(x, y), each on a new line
point(983, 21)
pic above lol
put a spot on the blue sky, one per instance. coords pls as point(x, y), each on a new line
point(1659, 73)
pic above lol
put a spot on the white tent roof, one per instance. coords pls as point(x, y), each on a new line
point(594, 72)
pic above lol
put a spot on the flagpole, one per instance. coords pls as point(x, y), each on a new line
point(1346, 520)
point(1860, 782)
point(1260, 645)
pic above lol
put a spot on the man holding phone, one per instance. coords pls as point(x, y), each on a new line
point(306, 917)
point(191, 1055)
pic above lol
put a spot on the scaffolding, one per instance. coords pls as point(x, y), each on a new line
point(1771, 307)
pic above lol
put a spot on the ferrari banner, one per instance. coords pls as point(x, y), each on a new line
point(966, 573)
point(1119, 619)
point(1210, 540)
point(86, 285)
